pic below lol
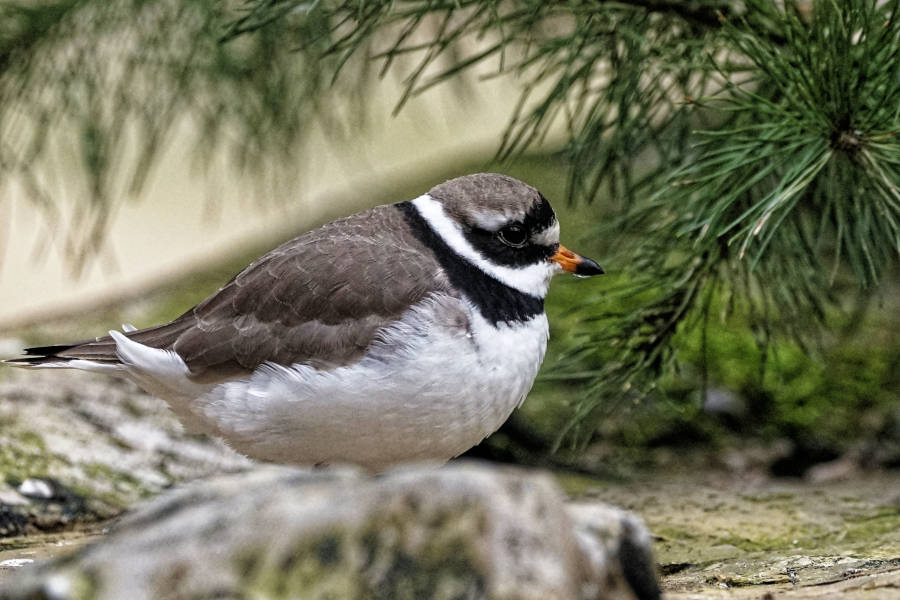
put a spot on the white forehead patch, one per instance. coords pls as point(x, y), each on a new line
point(490, 221)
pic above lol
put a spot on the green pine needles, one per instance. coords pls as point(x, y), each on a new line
point(788, 194)
point(811, 139)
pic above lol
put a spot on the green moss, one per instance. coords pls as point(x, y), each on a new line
point(878, 531)
point(104, 471)
point(14, 544)
point(865, 535)
point(23, 454)
point(442, 569)
point(756, 542)
point(125, 486)
point(675, 534)
point(575, 485)
point(395, 556)
point(770, 497)
point(32, 439)
point(300, 571)
point(425, 556)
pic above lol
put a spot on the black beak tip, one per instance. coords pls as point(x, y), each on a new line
point(588, 268)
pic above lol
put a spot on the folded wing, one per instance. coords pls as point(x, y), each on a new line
point(318, 299)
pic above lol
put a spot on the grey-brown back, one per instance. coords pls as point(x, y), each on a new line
point(318, 299)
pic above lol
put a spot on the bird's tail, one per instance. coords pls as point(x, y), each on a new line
point(98, 354)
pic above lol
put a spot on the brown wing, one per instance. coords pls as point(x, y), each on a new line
point(318, 299)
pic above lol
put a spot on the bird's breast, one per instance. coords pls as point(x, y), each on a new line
point(428, 390)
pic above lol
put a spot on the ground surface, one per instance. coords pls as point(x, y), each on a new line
point(715, 537)
point(718, 535)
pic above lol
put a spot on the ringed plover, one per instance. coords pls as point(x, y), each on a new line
point(406, 332)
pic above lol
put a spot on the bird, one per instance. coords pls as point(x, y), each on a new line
point(407, 332)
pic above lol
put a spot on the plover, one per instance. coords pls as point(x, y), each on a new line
point(410, 331)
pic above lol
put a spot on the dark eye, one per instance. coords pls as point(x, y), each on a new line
point(513, 235)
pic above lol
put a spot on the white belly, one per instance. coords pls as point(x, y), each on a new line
point(431, 396)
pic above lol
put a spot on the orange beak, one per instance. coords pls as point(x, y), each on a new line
point(575, 263)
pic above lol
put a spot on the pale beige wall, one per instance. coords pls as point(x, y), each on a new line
point(168, 229)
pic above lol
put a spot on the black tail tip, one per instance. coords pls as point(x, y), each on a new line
point(48, 350)
point(33, 361)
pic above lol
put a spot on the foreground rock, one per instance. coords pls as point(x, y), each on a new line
point(462, 531)
point(78, 448)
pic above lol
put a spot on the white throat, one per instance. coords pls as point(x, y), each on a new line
point(531, 279)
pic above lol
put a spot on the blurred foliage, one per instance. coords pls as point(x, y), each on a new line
point(108, 83)
point(748, 150)
point(839, 393)
point(792, 197)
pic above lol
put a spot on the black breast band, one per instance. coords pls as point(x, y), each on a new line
point(496, 301)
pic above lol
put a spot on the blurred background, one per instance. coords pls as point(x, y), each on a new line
point(735, 167)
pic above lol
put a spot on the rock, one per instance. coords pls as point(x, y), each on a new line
point(462, 531)
point(609, 534)
point(78, 447)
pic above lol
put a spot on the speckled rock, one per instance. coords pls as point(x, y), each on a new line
point(463, 531)
point(78, 447)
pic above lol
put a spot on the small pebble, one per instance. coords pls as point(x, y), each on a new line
point(36, 488)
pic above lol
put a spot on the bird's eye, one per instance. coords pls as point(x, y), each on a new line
point(513, 235)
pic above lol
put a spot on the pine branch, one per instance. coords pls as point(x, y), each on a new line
point(797, 185)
